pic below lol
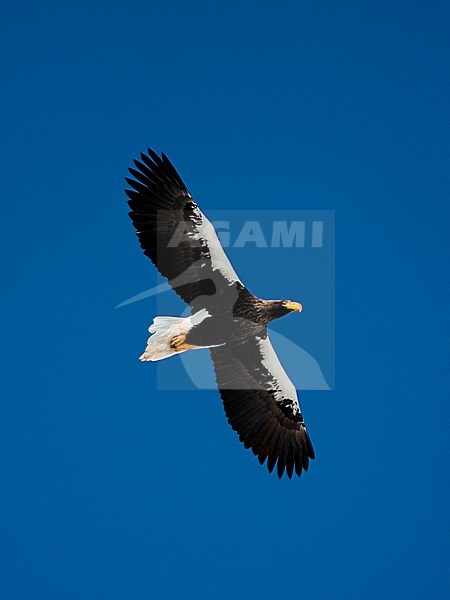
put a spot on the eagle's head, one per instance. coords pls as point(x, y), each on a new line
point(280, 308)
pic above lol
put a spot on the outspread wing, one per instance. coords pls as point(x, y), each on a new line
point(175, 234)
point(261, 404)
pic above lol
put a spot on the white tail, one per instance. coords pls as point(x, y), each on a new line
point(164, 329)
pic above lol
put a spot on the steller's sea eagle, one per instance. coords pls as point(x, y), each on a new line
point(260, 400)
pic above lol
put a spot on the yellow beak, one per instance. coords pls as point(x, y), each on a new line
point(293, 306)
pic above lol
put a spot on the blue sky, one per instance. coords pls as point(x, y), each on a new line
point(111, 489)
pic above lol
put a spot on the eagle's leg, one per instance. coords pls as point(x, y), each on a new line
point(177, 343)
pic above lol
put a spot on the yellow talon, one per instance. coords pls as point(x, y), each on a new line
point(177, 343)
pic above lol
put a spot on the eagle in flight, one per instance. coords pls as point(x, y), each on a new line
point(260, 400)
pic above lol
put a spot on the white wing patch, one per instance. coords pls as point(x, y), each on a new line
point(280, 380)
point(219, 260)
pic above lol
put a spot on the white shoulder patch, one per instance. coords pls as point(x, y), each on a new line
point(219, 259)
point(272, 363)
